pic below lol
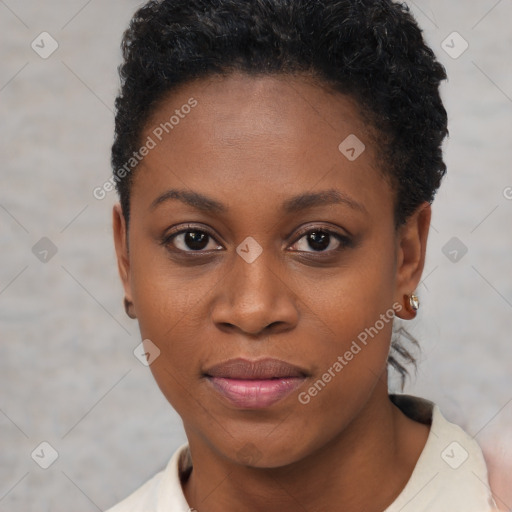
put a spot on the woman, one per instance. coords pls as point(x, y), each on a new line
point(276, 161)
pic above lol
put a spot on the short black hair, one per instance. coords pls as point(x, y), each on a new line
point(371, 50)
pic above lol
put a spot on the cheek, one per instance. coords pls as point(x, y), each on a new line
point(180, 343)
point(355, 296)
point(348, 366)
point(172, 317)
point(355, 334)
point(171, 313)
point(165, 298)
point(355, 324)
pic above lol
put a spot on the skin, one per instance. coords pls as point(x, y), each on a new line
point(252, 143)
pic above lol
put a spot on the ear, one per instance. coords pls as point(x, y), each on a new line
point(121, 245)
point(411, 246)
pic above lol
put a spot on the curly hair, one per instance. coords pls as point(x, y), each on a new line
point(371, 50)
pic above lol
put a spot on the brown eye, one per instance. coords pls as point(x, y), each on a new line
point(192, 240)
point(321, 240)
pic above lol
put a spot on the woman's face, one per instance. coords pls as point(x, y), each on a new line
point(253, 234)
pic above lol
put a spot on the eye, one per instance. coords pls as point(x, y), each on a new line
point(191, 239)
point(194, 239)
point(321, 240)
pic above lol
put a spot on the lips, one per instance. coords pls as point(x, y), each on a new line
point(254, 384)
point(263, 369)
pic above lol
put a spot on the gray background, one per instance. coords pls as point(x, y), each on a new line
point(68, 375)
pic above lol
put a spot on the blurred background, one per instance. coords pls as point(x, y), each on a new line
point(68, 374)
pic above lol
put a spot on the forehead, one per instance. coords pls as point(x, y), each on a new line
point(268, 134)
point(284, 106)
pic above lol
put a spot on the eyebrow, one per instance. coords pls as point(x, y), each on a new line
point(292, 205)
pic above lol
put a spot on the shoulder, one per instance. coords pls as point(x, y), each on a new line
point(451, 473)
point(162, 490)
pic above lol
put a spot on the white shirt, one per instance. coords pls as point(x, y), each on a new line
point(450, 474)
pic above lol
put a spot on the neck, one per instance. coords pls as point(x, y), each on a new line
point(364, 468)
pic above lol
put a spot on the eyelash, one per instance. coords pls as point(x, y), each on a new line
point(344, 241)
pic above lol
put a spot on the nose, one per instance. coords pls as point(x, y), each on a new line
point(255, 298)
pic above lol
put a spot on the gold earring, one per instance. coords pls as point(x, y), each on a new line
point(414, 302)
point(128, 305)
